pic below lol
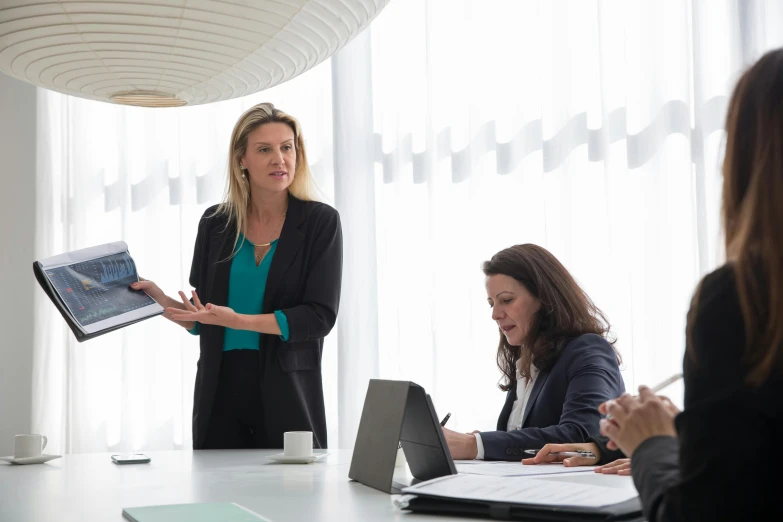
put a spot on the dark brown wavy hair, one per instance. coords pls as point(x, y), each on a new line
point(753, 210)
point(566, 310)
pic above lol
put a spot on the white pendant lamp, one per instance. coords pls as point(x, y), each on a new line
point(168, 53)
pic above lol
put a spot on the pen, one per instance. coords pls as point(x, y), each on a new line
point(661, 385)
point(442, 423)
point(658, 387)
point(585, 454)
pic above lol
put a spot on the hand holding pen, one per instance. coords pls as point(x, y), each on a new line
point(670, 408)
point(442, 424)
point(655, 389)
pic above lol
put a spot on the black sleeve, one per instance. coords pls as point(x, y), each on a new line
point(655, 469)
point(199, 252)
point(700, 478)
point(606, 455)
point(315, 317)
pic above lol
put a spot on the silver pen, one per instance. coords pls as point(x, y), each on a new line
point(658, 387)
point(579, 453)
point(663, 384)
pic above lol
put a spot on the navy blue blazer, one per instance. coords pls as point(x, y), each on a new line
point(563, 405)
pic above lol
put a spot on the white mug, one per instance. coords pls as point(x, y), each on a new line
point(298, 443)
point(29, 445)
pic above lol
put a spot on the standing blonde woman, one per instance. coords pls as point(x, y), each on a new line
point(266, 274)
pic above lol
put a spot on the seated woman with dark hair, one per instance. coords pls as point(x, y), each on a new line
point(557, 363)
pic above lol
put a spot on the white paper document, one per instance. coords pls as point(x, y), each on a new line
point(521, 490)
point(516, 469)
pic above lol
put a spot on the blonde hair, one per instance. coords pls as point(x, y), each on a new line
point(237, 197)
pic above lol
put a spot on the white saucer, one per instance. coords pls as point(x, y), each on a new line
point(31, 460)
point(280, 458)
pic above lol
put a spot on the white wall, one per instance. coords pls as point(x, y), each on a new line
point(17, 240)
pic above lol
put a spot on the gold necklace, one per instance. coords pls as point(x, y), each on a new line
point(260, 256)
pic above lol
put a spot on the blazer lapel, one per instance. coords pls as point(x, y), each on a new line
point(540, 381)
point(220, 249)
point(291, 239)
point(505, 413)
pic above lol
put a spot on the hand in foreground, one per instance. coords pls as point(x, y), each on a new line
point(632, 420)
point(461, 445)
point(674, 410)
point(669, 405)
point(618, 467)
point(209, 314)
point(543, 456)
point(152, 290)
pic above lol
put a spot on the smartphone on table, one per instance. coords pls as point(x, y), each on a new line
point(130, 458)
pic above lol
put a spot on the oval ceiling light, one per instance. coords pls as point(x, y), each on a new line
point(169, 53)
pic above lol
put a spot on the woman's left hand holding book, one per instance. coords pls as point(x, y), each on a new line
point(168, 303)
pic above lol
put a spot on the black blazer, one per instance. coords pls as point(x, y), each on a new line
point(563, 405)
point(304, 282)
point(724, 463)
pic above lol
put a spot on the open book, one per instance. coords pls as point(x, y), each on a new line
point(90, 288)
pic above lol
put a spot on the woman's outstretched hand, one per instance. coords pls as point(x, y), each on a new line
point(209, 314)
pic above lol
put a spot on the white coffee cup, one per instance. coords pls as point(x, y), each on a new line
point(29, 445)
point(298, 443)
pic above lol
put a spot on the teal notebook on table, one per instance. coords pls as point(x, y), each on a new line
point(210, 512)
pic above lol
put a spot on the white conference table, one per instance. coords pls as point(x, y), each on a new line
point(89, 487)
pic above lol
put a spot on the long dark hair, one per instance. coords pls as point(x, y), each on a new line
point(753, 210)
point(566, 310)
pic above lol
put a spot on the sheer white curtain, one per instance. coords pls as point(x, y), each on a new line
point(448, 131)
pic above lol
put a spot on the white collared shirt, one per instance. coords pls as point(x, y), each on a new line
point(524, 388)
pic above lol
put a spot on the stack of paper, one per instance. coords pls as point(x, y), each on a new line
point(534, 498)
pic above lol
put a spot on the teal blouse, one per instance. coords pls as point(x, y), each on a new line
point(246, 285)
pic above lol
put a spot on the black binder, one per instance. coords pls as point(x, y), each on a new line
point(629, 511)
point(80, 334)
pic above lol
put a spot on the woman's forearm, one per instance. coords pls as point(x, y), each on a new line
point(261, 323)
